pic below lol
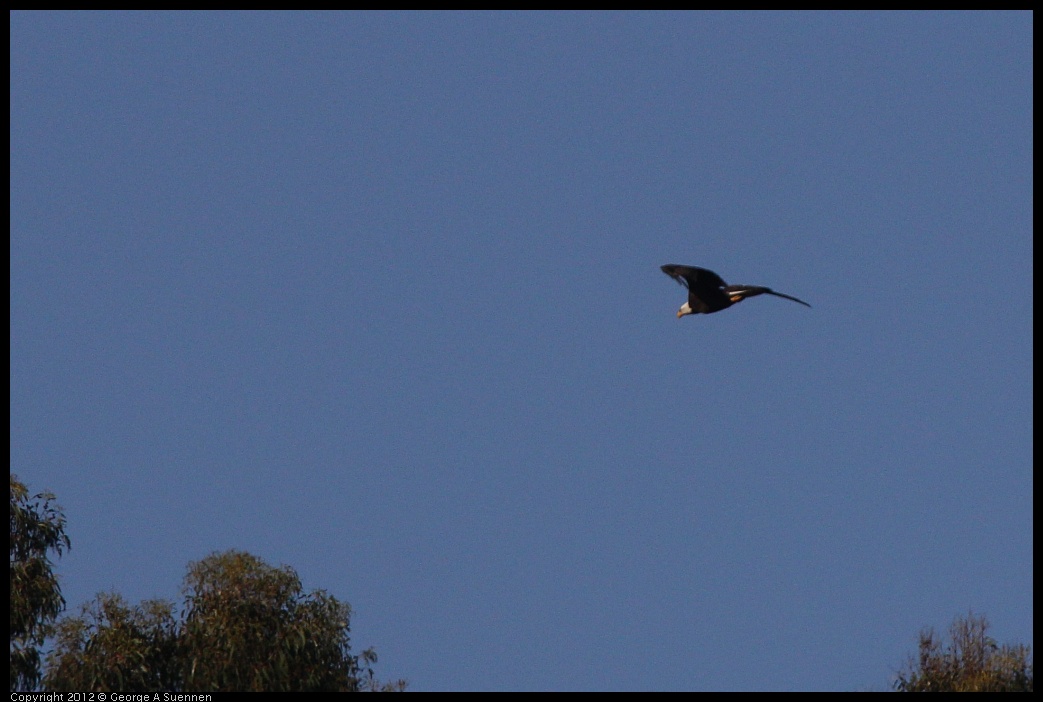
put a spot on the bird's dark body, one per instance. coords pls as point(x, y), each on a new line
point(708, 293)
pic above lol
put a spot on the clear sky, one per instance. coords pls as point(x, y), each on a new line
point(377, 296)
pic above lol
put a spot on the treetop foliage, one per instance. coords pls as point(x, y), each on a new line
point(971, 661)
point(37, 528)
point(244, 626)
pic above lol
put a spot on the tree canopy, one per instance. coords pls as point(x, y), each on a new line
point(971, 661)
point(244, 626)
point(37, 528)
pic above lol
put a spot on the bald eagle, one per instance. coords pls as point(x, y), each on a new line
point(707, 293)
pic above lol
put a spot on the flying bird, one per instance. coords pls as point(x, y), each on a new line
point(707, 293)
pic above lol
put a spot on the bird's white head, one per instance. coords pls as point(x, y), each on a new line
point(685, 309)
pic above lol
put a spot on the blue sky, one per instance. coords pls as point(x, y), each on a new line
point(377, 296)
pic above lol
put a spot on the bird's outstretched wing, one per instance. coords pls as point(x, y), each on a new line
point(741, 292)
point(705, 288)
point(694, 278)
point(788, 297)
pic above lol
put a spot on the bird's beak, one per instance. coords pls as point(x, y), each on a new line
point(680, 314)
